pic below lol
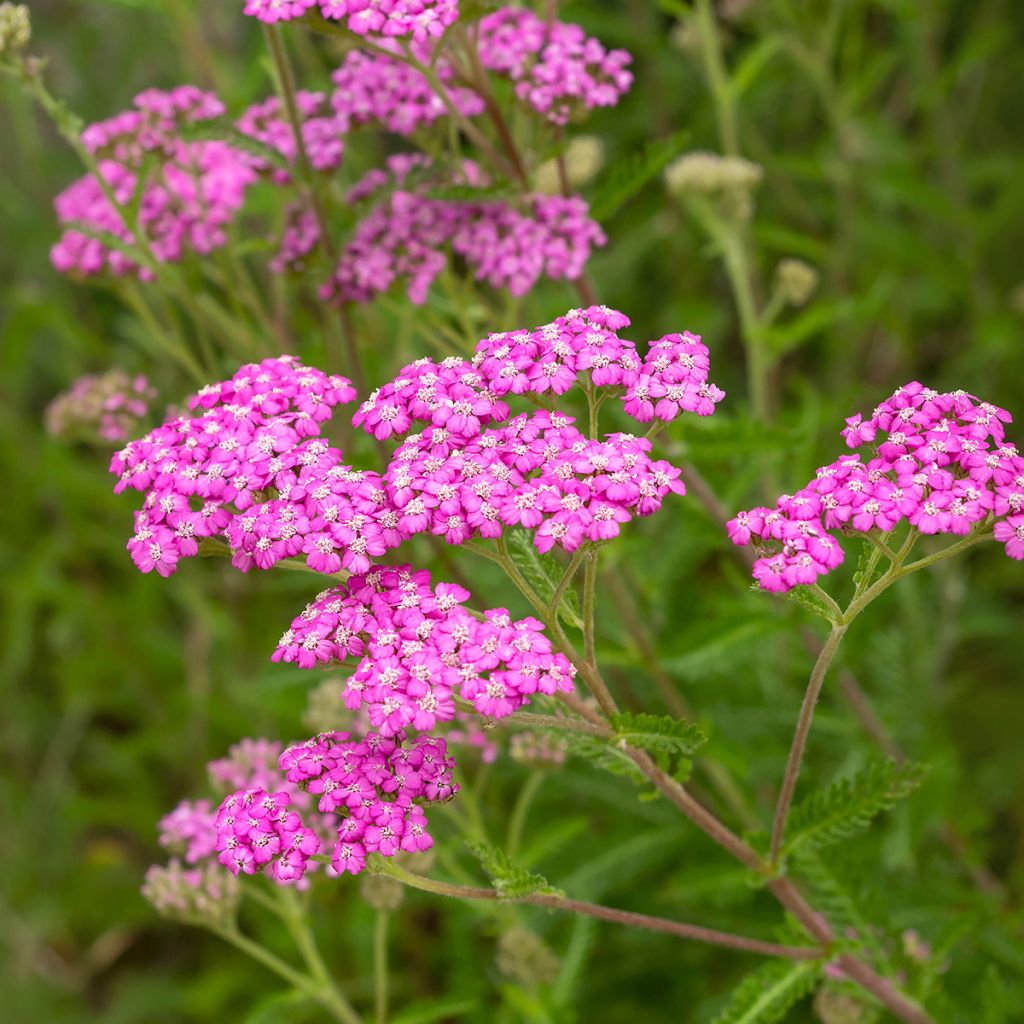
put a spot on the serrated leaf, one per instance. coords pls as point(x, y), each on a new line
point(623, 178)
point(543, 572)
point(849, 806)
point(605, 756)
point(511, 880)
point(766, 995)
point(658, 733)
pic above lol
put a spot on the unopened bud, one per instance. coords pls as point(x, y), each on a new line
point(15, 28)
point(583, 158)
point(524, 958)
point(796, 281)
point(835, 1007)
point(729, 181)
point(206, 894)
point(381, 892)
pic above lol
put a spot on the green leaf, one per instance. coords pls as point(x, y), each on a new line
point(849, 806)
point(754, 61)
point(511, 880)
point(658, 733)
point(606, 756)
point(290, 1007)
point(622, 179)
point(543, 573)
point(824, 313)
point(766, 995)
point(427, 1011)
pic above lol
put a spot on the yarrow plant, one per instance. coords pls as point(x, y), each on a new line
point(940, 464)
point(433, 167)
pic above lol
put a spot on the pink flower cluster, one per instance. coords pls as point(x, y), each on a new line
point(406, 235)
point(188, 205)
point(371, 88)
point(203, 475)
point(375, 786)
point(420, 19)
point(419, 650)
point(108, 406)
point(671, 379)
point(322, 130)
point(360, 796)
point(939, 462)
point(189, 196)
point(557, 68)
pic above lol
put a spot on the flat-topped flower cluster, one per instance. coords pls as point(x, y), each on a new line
point(408, 233)
point(250, 465)
point(109, 406)
point(940, 462)
point(419, 649)
point(205, 474)
point(335, 792)
point(166, 187)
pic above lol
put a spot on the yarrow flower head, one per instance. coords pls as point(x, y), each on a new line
point(419, 19)
point(557, 68)
point(407, 234)
point(108, 407)
point(350, 795)
point(209, 474)
point(185, 203)
point(418, 650)
point(939, 462)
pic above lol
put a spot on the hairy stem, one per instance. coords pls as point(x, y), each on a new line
point(803, 728)
point(696, 933)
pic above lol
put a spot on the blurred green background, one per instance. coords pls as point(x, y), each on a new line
point(889, 133)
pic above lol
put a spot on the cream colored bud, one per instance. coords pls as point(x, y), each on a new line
point(381, 892)
point(15, 28)
point(583, 158)
point(524, 958)
point(796, 281)
point(1016, 299)
point(728, 181)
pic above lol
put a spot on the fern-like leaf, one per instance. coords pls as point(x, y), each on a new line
point(623, 179)
point(850, 805)
point(511, 880)
point(766, 995)
point(656, 733)
point(543, 572)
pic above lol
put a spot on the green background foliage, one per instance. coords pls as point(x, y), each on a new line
point(889, 135)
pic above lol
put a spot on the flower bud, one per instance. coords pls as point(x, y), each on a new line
point(537, 749)
point(729, 181)
point(832, 1006)
point(206, 894)
point(524, 958)
point(796, 281)
point(15, 28)
point(381, 892)
point(583, 158)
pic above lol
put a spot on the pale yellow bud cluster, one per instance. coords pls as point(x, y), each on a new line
point(729, 181)
point(15, 28)
point(583, 158)
point(796, 281)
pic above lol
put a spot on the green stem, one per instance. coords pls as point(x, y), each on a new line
point(294, 917)
point(380, 967)
point(589, 606)
point(717, 77)
point(803, 728)
point(517, 819)
point(624, 917)
point(566, 580)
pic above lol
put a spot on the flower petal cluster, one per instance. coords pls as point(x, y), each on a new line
point(375, 89)
point(556, 67)
point(190, 191)
point(419, 19)
point(322, 129)
point(208, 475)
point(419, 650)
point(407, 234)
point(376, 788)
point(939, 462)
point(108, 406)
point(671, 379)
